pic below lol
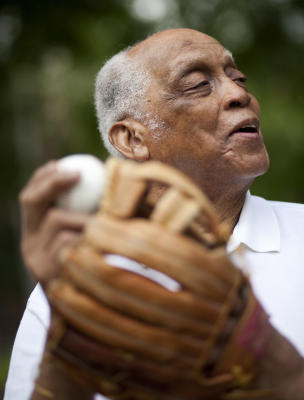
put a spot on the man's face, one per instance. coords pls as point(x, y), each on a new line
point(213, 131)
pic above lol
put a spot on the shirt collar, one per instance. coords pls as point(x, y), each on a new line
point(257, 228)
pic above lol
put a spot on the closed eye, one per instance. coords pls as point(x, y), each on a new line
point(201, 84)
point(203, 87)
point(241, 80)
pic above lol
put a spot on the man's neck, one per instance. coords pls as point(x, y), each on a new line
point(228, 202)
point(229, 208)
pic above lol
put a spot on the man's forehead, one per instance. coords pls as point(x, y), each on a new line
point(170, 49)
point(180, 36)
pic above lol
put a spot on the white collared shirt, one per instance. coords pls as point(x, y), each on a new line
point(270, 237)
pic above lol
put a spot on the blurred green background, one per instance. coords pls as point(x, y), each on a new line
point(50, 52)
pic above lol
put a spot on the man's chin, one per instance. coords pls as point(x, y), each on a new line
point(253, 159)
point(255, 166)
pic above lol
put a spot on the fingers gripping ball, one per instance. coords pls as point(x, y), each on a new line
point(86, 194)
point(131, 337)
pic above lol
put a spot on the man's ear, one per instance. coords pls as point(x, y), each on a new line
point(129, 138)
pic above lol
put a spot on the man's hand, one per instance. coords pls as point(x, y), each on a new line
point(45, 228)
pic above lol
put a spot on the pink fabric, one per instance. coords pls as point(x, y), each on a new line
point(256, 334)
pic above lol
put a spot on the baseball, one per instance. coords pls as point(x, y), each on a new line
point(86, 194)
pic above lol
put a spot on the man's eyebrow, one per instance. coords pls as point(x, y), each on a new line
point(229, 55)
point(188, 66)
point(199, 62)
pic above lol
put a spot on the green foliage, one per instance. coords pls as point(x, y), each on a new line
point(4, 362)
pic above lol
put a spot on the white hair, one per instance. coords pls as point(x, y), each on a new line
point(120, 92)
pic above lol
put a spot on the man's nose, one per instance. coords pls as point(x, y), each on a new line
point(235, 95)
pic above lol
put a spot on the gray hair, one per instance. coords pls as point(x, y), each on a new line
point(120, 89)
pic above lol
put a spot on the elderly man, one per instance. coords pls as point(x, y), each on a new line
point(178, 97)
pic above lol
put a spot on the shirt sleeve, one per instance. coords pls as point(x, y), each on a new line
point(28, 347)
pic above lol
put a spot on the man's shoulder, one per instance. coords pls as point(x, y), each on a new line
point(285, 211)
point(287, 205)
point(284, 206)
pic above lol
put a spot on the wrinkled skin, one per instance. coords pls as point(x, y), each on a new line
point(200, 94)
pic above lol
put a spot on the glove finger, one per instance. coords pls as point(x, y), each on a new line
point(86, 268)
point(111, 327)
point(132, 305)
point(209, 273)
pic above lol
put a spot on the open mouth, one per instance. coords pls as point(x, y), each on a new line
point(246, 127)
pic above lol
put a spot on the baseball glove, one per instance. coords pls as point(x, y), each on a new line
point(148, 304)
